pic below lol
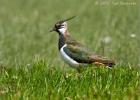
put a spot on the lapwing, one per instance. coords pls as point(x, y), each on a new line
point(74, 53)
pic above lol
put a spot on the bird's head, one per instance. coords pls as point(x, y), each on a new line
point(61, 26)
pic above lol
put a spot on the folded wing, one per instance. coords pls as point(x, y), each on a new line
point(81, 54)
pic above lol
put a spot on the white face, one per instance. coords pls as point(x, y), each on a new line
point(63, 28)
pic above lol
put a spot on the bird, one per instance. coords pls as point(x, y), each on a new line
point(73, 52)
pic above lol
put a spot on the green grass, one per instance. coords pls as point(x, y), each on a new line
point(30, 65)
point(41, 81)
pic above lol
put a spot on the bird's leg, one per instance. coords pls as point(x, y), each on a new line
point(78, 70)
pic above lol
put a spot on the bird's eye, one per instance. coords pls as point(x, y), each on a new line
point(62, 26)
point(59, 25)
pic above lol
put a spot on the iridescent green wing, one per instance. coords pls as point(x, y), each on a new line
point(78, 52)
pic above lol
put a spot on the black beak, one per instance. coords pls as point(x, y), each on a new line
point(54, 29)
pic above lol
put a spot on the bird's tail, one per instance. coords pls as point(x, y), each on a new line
point(104, 61)
point(108, 63)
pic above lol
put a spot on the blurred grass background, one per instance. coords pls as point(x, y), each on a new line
point(27, 44)
point(25, 25)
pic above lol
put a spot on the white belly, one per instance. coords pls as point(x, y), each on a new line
point(68, 59)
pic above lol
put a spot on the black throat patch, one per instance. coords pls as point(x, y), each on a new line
point(61, 42)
